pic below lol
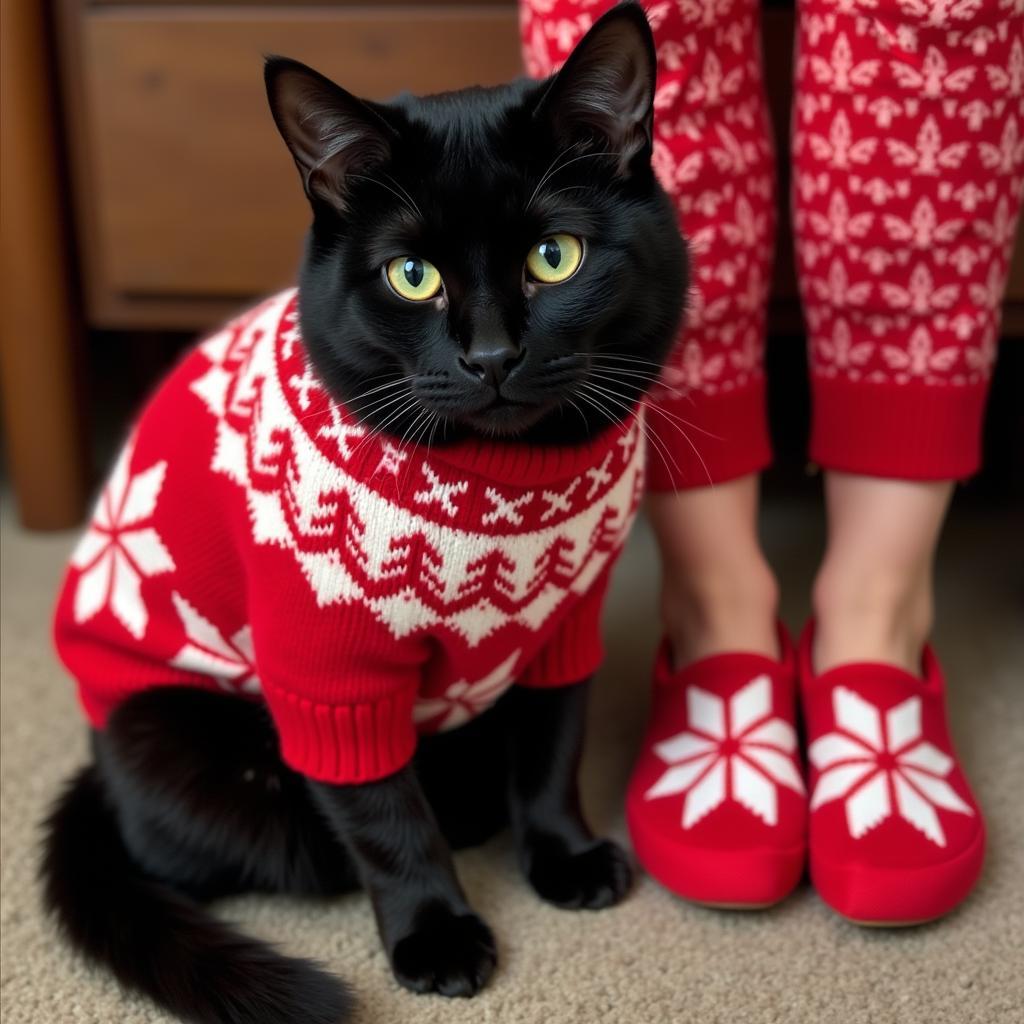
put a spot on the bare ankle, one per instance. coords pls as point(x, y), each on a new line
point(715, 613)
point(718, 592)
point(871, 618)
point(873, 594)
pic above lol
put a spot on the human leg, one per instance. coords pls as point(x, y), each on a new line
point(907, 186)
point(714, 154)
point(908, 183)
point(873, 596)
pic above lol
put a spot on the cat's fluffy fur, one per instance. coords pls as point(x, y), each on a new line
point(169, 815)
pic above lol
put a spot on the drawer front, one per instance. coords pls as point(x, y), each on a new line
point(192, 194)
point(188, 202)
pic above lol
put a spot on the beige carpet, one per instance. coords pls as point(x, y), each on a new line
point(654, 960)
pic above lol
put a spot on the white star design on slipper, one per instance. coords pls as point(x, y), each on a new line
point(866, 768)
point(742, 758)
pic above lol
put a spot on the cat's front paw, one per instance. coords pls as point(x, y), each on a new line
point(594, 878)
point(453, 954)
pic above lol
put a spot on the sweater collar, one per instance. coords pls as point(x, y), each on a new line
point(511, 463)
point(529, 465)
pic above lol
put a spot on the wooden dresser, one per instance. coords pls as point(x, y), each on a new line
point(183, 202)
point(187, 201)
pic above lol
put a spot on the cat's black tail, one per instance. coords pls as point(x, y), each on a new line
point(159, 942)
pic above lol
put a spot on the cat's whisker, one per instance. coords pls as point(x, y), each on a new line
point(438, 420)
point(648, 382)
point(381, 387)
point(651, 439)
point(405, 441)
point(614, 377)
point(409, 435)
point(376, 431)
point(410, 403)
point(405, 192)
point(562, 167)
point(622, 357)
point(377, 376)
point(385, 402)
point(686, 437)
point(617, 400)
point(350, 405)
point(639, 389)
point(622, 400)
point(430, 420)
point(660, 410)
point(680, 394)
point(632, 371)
point(376, 181)
point(578, 409)
point(645, 399)
point(544, 177)
point(568, 188)
point(382, 406)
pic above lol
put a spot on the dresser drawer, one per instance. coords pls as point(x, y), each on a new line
point(187, 197)
point(187, 202)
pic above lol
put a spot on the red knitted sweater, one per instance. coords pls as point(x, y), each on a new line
point(253, 537)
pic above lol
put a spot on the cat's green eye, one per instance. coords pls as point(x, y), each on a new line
point(555, 259)
point(414, 279)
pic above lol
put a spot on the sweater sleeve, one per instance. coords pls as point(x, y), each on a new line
point(338, 685)
point(575, 650)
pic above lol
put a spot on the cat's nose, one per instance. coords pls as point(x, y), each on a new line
point(492, 361)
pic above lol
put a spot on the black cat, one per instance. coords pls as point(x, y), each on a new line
point(187, 798)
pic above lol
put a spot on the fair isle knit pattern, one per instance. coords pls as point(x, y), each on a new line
point(255, 538)
point(907, 152)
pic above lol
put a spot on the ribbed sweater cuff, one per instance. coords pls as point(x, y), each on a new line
point(725, 436)
point(344, 743)
point(902, 431)
point(576, 649)
point(577, 655)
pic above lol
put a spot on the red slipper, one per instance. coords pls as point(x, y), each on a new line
point(896, 836)
point(716, 805)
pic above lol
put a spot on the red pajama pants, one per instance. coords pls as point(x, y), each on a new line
point(908, 160)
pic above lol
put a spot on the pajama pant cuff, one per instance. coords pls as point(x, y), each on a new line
point(905, 431)
point(728, 438)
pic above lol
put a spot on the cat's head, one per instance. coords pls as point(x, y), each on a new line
point(490, 262)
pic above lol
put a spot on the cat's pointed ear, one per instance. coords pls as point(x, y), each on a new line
point(331, 134)
point(604, 94)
